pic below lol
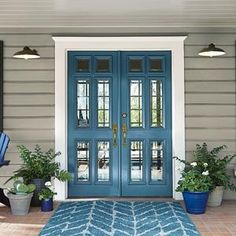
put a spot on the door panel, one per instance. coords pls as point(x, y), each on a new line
point(146, 99)
point(92, 112)
point(119, 123)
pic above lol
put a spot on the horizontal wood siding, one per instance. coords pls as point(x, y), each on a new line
point(28, 96)
point(209, 95)
point(210, 99)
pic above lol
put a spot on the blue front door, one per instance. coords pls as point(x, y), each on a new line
point(119, 123)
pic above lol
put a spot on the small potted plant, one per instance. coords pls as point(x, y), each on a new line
point(20, 197)
point(46, 197)
point(217, 167)
point(39, 167)
point(195, 185)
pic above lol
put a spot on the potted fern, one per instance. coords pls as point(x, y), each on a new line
point(39, 167)
point(217, 167)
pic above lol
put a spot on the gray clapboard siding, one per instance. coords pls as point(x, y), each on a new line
point(208, 122)
point(225, 99)
point(4, 179)
point(27, 76)
point(29, 87)
point(210, 96)
point(27, 39)
point(9, 169)
point(210, 110)
point(28, 96)
point(231, 145)
point(41, 64)
point(12, 148)
point(189, 155)
point(28, 123)
point(30, 135)
point(14, 159)
point(210, 134)
point(210, 86)
point(29, 99)
point(32, 111)
point(210, 74)
point(13, 155)
point(206, 63)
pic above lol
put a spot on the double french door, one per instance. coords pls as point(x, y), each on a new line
point(119, 123)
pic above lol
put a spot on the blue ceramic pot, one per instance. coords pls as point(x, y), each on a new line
point(47, 205)
point(40, 184)
point(195, 202)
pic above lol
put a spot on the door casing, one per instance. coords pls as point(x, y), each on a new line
point(174, 43)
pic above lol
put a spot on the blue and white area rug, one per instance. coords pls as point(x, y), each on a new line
point(118, 218)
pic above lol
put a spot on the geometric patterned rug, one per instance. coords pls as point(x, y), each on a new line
point(119, 218)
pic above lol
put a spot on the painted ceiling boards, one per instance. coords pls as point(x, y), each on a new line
point(117, 13)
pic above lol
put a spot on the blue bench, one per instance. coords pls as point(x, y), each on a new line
point(4, 141)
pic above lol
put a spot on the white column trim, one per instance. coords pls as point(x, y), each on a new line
point(173, 43)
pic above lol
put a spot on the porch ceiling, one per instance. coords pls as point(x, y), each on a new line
point(117, 13)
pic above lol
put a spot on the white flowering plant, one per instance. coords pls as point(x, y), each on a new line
point(195, 177)
point(47, 192)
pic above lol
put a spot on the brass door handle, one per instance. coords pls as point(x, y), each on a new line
point(124, 131)
point(114, 130)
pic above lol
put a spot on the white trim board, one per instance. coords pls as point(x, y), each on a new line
point(175, 44)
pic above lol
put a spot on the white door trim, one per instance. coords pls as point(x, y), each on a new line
point(173, 43)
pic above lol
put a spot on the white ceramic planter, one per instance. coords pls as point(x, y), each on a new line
point(215, 196)
point(19, 203)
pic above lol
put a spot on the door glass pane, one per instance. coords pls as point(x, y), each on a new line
point(83, 65)
point(83, 160)
point(103, 160)
point(83, 103)
point(155, 65)
point(103, 104)
point(156, 104)
point(136, 160)
point(102, 65)
point(135, 65)
point(156, 160)
point(136, 113)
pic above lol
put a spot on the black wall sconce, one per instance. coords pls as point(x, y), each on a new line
point(211, 51)
point(27, 53)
